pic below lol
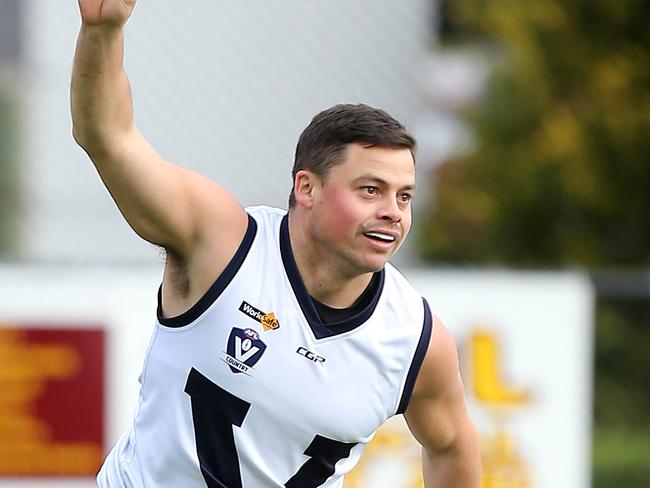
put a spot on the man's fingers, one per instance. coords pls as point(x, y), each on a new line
point(106, 12)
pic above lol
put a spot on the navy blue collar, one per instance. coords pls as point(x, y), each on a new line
point(320, 329)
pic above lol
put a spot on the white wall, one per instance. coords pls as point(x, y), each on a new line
point(542, 321)
point(221, 87)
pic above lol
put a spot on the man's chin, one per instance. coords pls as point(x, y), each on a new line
point(376, 264)
point(367, 262)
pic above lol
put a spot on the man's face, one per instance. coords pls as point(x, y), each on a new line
point(362, 211)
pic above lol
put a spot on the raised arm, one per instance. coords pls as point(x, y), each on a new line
point(100, 94)
point(438, 418)
point(164, 203)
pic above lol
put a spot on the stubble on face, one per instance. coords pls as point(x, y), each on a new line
point(344, 213)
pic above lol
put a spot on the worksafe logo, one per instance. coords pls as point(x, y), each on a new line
point(268, 320)
point(244, 350)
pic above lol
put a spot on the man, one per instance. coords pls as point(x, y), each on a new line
point(283, 341)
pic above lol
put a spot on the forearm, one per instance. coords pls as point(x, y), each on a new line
point(100, 92)
point(455, 467)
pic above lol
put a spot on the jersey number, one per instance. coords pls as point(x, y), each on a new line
point(215, 411)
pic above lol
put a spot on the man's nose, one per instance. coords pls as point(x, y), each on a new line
point(390, 210)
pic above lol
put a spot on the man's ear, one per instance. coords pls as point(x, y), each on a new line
point(304, 184)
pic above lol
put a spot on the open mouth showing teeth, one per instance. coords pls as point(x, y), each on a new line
point(379, 236)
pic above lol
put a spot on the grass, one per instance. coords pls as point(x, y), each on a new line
point(621, 457)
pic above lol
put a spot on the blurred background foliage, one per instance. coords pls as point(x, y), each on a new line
point(560, 177)
point(560, 172)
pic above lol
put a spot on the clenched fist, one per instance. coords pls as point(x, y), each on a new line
point(106, 12)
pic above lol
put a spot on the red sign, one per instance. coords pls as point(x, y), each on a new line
point(51, 401)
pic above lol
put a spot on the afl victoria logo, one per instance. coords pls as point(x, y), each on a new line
point(244, 350)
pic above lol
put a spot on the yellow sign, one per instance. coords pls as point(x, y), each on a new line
point(488, 383)
point(502, 465)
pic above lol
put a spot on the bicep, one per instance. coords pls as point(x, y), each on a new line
point(437, 423)
point(437, 415)
point(164, 203)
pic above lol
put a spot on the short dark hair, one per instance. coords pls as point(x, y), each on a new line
point(323, 143)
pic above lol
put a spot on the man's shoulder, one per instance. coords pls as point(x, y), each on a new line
point(400, 280)
point(266, 217)
point(405, 298)
point(265, 210)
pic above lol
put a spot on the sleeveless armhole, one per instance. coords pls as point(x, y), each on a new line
point(216, 288)
point(418, 358)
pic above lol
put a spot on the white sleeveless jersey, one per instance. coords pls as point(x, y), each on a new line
point(250, 389)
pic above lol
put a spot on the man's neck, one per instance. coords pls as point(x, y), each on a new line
point(322, 275)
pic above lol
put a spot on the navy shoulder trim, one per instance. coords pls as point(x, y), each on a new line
point(418, 358)
point(216, 288)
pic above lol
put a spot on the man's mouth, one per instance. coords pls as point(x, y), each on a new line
point(380, 236)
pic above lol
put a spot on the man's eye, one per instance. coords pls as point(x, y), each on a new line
point(405, 197)
point(370, 190)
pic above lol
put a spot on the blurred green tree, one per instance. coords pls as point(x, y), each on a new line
point(560, 175)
